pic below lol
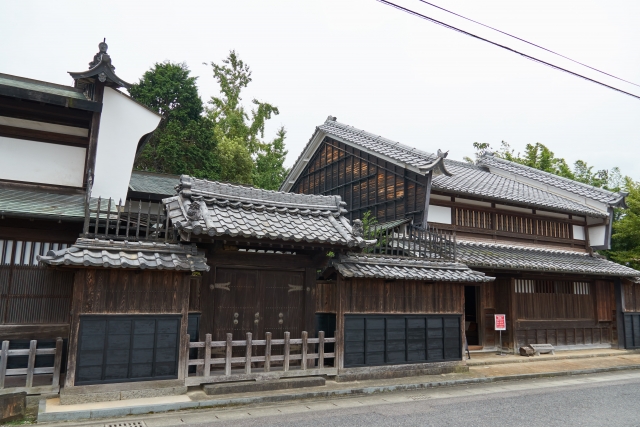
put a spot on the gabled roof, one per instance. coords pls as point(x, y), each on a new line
point(385, 267)
point(153, 183)
point(139, 255)
point(461, 178)
point(217, 209)
point(547, 178)
point(513, 257)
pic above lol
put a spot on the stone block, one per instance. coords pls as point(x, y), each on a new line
point(152, 392)
point(257, 386)
point(74, 399)
point(12, 406)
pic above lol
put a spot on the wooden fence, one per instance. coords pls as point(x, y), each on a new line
point(31, 369)
point(259, 367)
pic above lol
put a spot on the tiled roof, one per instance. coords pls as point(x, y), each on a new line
point(379, 266)
point(41, 204)
point(140, 255)
point(40, 86)
point(217, 209)
point(466, 179)
point(566, 184)
point(154, 183)
point(512, 257)
point(477, 181)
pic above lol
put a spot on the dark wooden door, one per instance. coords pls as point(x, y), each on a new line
point(632, 330)
point(373, 340)
point(236, 301)
point(282, 294)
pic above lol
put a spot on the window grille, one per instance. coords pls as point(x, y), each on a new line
point(551, 287)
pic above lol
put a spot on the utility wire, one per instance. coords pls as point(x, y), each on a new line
point(532, 58)
point(528, 42)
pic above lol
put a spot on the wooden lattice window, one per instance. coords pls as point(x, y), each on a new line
point(556, 229)
point(473, 218)
point(514, 224)
point(525, 286)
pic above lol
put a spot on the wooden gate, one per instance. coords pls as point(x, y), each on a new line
point(257, 301)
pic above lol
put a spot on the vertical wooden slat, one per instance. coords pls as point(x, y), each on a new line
point(138, 222)
point(287, 348)
point(207, 355)
point(4, 354)
point(321, 349)
point(158, 225)
point(95, 226)
point(247, 361)
point(267, 352)
point(31, 363)
point(119, 208)
point(146, 235)
point(184, 355)
point(106, 226)
point(303, 364)
point(128, 219)
point(228, 354)
point(57, 363)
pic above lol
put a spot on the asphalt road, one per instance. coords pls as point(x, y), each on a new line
point(594, 400)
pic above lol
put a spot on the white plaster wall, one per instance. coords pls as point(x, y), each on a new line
point(597, 235)
point(578, 232)
point(439, 214)
point(41, 162)
point(122, 123)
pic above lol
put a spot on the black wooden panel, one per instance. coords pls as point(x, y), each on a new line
point(127, 348)
point(632, 330)
point(372, 340)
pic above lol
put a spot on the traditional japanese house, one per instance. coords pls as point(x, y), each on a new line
point(57, 143)
point(535, 232)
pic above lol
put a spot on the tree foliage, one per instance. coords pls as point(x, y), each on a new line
point(222, 141)
point(625, 241)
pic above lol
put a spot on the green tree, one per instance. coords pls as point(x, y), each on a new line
point(184, 142)
point(244, 131)
point(625, 241)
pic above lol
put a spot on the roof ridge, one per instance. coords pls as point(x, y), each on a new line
point(521, 247)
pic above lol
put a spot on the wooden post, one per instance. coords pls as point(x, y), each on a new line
point(321, 349)
point(287, 348)
point(227, 358)
point(185, 357)
point(32, 363)
point(247, 361)
point(207, 355)
point(4, 354)
point(303, 362)
point(57, 363)
point(267, 352)
point(336, 343)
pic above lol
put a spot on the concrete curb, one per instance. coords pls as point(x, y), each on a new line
point(44, 417)
point(557, 357)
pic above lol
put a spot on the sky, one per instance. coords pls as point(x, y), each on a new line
point(371, 66)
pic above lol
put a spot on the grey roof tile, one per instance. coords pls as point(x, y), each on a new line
point(385, 267)
point(214, 208)
point(512, 257)
point(569, 185)
point(140, 255)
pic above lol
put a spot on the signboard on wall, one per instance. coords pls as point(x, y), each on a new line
point(501, 322)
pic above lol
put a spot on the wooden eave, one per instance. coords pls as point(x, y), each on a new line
point(49, 98)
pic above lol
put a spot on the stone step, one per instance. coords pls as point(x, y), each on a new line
point(256, 386)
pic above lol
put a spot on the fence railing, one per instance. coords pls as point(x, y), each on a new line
point(133, 221)
point(16, 384)
point(212, 369)
point(412, 241)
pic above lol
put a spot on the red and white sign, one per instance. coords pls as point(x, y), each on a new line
point(501, 322)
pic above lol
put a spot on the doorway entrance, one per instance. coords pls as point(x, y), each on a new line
point(471, 317)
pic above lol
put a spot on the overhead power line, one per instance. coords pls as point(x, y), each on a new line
point(526, 41)
point(532, 58)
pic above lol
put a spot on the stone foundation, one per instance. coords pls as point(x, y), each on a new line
point(121, 391)
point(400, 371)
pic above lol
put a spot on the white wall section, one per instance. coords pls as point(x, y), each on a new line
point(597, 235)
point(439, 214)
point(32, 161)
point(578, 232)
point(122, 123)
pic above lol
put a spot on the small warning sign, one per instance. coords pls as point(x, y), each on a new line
point(501, 322)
